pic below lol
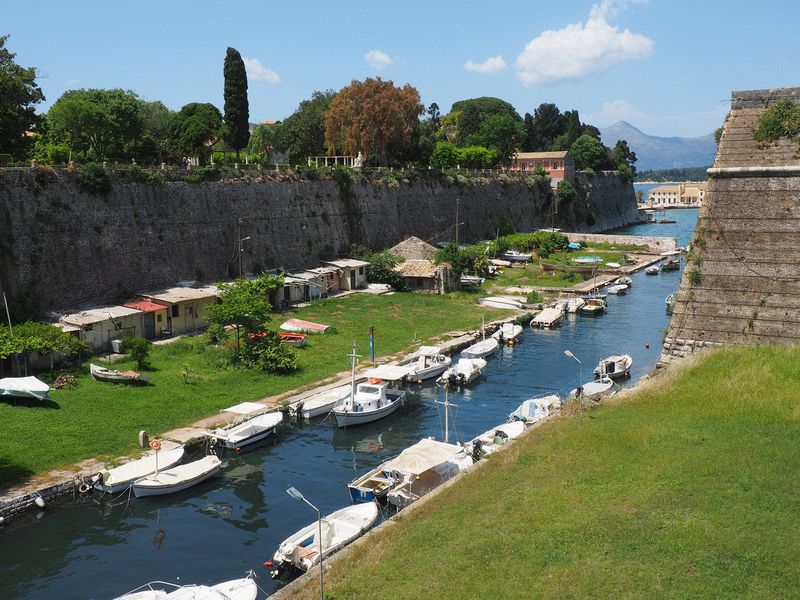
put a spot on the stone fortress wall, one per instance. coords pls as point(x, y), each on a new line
point(63, 248)
point(742, 280)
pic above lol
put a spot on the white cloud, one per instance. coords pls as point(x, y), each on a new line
point(616, 110)
point(579, 50)
point(492, 64)
point(378, 60)
point(258, 72)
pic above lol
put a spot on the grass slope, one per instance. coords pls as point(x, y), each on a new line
point(103, 419)
point(689, 490)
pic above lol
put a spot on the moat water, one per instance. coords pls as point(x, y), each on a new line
point(93, 547)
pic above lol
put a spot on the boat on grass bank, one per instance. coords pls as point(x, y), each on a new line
point(615, 366)
point(24, 387)
point(302, 550)
point(501, 302)
point(113, 376)
point(301, 326)
point(251, 423)
point(178, 478)
point(515, 256)
point(298, 340)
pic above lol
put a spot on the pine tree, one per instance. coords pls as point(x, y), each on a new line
point(237, 110)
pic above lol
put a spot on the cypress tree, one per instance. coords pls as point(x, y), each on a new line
point(237, 110)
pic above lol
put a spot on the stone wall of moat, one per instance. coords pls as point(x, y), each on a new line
point(64, 247)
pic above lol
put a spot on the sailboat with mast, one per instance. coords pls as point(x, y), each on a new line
point(367, 401)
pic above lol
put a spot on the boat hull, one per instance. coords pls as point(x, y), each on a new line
point(176, 479)
point(348, 418)
point(250, 431)
point(120, 478)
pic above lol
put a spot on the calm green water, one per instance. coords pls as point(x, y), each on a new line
point(94, 548)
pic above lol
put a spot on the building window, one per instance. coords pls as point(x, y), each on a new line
point(175, 310)
point(360, 270)
point(555, 164)
point(158, 317)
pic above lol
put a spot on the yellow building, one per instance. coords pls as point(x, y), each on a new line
point(684, 194)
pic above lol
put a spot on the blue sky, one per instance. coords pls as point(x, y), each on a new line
point(665, 66)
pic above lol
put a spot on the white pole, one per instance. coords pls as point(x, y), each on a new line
point(8, 315)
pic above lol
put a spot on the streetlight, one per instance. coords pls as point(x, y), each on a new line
point(295, 493)
point(244, 239)
point(580, 383)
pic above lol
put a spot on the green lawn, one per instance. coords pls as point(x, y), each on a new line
point(103, 419)
point(688, 489)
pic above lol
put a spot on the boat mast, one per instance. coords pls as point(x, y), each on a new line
point(353, 358)
point(447, 406)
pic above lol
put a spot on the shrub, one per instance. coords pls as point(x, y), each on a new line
point(565, 191)
point(781, 120)
point(534, 298)
point(695, 277)
point(139, 349)
point(93, 179)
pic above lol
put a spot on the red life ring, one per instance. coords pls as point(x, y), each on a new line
point(155, 445)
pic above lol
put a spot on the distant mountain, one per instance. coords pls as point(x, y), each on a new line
point(655, 152)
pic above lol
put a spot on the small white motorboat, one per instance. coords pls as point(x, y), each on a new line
point(490, 441)
point(499, 262)
point(536, 409)
point(428, 363)
point(516, 256)
point(236, 589)
point(653, 270)
point(481, 349)
point(574, 304)
point(114, 376)
point(618, 289)
point(120, 478)
point(463, 372)
point(501, 302)
point(670, 302)
point(614, 366)
point(624, 280)
point(24, 387)
point(301, 550)
point(322, 403)
point(613, 265)
point(177, 478)
point(251, 423)
point(371, 401)
point(548, 318)
point(509, 333)
point(594, 390)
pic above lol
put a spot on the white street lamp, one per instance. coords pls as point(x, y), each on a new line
point(579, 389)
point(295, 493)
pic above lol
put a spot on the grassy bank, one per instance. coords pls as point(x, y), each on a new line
point(687, 489)
point(191, 380)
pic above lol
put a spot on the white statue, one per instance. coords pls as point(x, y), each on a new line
point(358, 160)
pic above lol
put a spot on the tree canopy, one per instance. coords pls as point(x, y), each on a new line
point(473, 113)
point(19, 96)
point(303, 133)
point(588, 153)
point(194, 129)
point(373, 117)
point(237, 109)
point(104, 123)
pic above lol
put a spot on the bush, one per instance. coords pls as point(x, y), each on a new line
point(782, 120)
point(565, 192)
point(93, 179)
point(139, 349)
point(445, 156)
point(534, 298)
point(381, 270)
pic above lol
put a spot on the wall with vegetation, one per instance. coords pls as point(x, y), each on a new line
point(63, 246)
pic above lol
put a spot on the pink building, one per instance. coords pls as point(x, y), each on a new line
point(558, 165)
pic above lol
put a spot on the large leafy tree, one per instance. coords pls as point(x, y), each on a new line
point(588, 153)
point(303, 133)
point(548, 124)
point(155, 137)
point(473, 113)
point(501, 133)
point(106, 123)
point(373, 117)
point(265, 140)
point(19, 96)
point(42, 338)
point(194, 129)
point(237, 109)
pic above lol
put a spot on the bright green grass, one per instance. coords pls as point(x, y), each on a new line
point(616, 247)
point(691, 489)
point(102, 419)
point(532, 275)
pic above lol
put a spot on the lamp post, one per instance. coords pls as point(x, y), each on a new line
point(295, 493)
point(580, 382)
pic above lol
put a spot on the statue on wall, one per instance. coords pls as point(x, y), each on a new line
point(358, 161)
